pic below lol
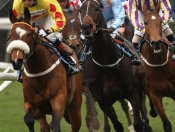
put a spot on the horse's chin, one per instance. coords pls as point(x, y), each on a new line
point(88, 36)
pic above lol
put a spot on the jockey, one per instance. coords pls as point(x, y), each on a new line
point(114, 15)
point(125, 5)
point(48, 14)
point(69, 5)
point(136, 17)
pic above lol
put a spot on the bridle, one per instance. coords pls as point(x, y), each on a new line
point(37, 41)
point(95, 29)
point(94, 25)
point(146, 37)
point(33, 39)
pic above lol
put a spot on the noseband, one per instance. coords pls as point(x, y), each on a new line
point(32, 39)
point(94, 25)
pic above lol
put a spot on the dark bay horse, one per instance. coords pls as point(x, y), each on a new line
point(159, 65)
point(46, 85)
point(71, 36)
point(110, 74)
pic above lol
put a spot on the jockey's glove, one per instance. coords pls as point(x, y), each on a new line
point(111, 30)
point(44, 33)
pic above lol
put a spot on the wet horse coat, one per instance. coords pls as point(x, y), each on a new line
point(45, 79)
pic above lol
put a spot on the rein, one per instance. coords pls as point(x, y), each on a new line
point(156, 65)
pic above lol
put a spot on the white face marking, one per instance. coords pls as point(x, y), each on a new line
point(153, 17)
point(20, 31)
point(17, 53)
point(73, 20)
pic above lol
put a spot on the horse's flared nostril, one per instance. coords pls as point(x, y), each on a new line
point(17, 64)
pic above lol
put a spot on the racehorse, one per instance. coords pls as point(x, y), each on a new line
point(110, 74)
point(47, 89)
point(71, 33)
point(71, 36)
point(159, 65)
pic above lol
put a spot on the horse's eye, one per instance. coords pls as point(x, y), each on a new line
point(145, 23)
point(29, 35)
point(97, 9)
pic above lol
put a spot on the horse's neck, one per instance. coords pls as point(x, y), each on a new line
point(41, 59)
point(103, 47)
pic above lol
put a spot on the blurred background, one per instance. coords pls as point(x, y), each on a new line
point(4, 28)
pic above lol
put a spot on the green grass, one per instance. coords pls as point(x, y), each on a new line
point(12, 112)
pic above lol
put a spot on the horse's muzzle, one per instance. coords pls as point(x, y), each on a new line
point(156, 46)
point(17, 64)
point(87, 30)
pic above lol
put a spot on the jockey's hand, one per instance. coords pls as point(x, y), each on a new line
point(44, 33)
point(111, 30)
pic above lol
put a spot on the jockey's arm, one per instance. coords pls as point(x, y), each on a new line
point(134, 15)
point(54, 9)
point(119, 13)
point(165, 7)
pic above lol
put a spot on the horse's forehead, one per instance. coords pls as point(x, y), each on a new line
point(72, 20)
point(20, 32)
point(154, 17)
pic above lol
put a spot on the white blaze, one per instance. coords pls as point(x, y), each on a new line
point(153, 17)
point(20, 32)
point(73, 20)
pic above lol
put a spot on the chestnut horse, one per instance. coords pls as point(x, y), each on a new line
point(159, 65)
point(46, 85)
point(71, 36)
point(109, 72)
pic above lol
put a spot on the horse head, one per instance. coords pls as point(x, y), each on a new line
point(91, 15)
point(71, 31)
point(153, 28)
point(22, 34)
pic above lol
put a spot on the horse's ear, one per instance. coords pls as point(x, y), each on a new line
point(145, 9)
point(12, 16)
point(27, 15)
point(157, 8)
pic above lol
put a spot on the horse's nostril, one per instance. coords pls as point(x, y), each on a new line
point(90, 26)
